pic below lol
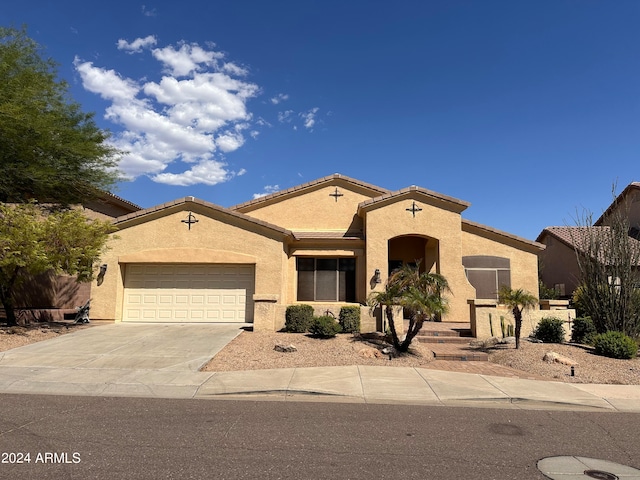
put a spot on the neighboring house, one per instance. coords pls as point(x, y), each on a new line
point(559, 266)
point(56, 295)
point(329, 242)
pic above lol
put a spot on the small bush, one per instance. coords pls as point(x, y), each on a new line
point(615, 345)
point(325, 326)
point(298, 318)
point(550, 330)
point(583, 330)
point(350, 319)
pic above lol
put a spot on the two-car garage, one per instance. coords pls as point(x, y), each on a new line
point(188, 293)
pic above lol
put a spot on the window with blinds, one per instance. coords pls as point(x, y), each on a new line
point(326, 279)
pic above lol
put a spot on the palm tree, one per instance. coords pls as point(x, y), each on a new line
point(420, 294)
point(517, 300)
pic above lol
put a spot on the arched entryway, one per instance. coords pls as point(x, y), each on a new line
point(408, 249)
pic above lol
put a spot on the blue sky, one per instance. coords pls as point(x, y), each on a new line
point(529, 110)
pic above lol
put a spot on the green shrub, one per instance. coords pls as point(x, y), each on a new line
point(583, 330)
point(325, 326)
point(350, 319)
point(547, 293)
point(615, 345)
point(298, 318)
point(550, 330)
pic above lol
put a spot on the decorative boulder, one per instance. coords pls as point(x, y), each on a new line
point(369, 352)
point(285, 348)
point(553, 357)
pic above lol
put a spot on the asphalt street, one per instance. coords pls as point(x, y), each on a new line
point(150, 438)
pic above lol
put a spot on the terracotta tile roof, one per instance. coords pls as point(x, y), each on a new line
point(197, 201)
point(108, 196)
point(577, 237)
point(568, 235)
point(628, 189)
point(281, 193)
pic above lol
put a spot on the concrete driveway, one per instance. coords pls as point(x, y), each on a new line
point(129, 346)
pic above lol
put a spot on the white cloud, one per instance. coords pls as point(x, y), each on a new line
point(147, 12)
point(207, 172)
point(137, 45)
point(186, 60)
point(262, 122)
point(233, 69)
point(286, 116)
point(195, 113)
point(309, 118)
point(229, 141)
point(281, 97)
point(106, 83)
point(268, 189)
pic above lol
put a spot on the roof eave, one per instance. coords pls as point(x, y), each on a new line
point(133, 218)
point(531, 245)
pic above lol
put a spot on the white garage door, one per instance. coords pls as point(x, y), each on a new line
point(188, 293)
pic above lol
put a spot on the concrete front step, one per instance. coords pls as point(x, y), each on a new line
point(438, 333)
point(453, 352)
point(438, 339)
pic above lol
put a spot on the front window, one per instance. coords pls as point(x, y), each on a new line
point(326, 279)
point(487, 274)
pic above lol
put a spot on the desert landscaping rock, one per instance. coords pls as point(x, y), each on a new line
point(370, 352)
point(553, 357)
point(255, 350)
point(285, 348)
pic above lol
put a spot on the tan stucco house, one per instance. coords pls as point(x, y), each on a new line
point(559, 265)
point(327, 243)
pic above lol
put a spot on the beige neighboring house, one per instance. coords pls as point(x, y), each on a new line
point(51, 297)
point(559, 266)
point(327, 243)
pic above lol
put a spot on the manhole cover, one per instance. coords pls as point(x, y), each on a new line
point(569, 466)
point(600, 475)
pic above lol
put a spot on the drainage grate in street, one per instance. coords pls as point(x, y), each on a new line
point(563, 467)
point(600, 475)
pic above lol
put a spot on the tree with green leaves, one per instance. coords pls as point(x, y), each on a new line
point(421, 294)
point(517, 300)
point(50, 150)
point(608, 257)
point(34, 241)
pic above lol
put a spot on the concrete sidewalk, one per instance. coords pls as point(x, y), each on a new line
point(163, 360)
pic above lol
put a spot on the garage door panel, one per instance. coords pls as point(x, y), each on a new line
point(183, 270)
point(197, 300)
point(189, 293)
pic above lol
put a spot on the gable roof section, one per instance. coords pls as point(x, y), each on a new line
point(284, 194)
point(148, 214)
point(104, 199)
point(501, 236)
point(632, 187)
point(566, 235)
point(428, 196)
point(576, 237)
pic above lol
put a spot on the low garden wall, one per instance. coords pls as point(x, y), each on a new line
point(488, 319)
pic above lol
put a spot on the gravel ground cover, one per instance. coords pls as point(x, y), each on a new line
point(255, 350)
point(13, 337)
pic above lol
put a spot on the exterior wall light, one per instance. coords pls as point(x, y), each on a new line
point(101, 273)
point(376, 276)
